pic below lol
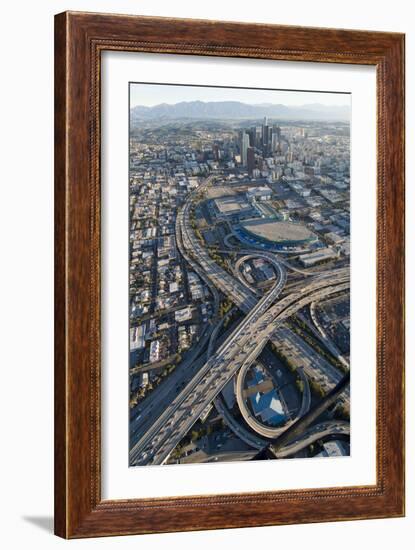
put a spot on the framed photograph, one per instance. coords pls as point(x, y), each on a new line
point(229, 275)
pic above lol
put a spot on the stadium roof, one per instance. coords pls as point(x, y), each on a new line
point(278, 231)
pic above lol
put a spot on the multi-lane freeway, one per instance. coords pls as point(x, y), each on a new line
point(320, 369)
point(331, 346)
point(329, 430)
point(313, 434)
point(241, 348)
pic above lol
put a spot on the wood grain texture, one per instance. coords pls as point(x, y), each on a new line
point(60, 277)
point(79, 40)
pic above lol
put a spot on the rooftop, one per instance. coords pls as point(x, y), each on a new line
point(277, 231)
point(228, 205)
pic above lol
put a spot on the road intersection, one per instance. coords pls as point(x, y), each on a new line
point(262, 317)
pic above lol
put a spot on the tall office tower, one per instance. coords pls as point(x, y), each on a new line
point(275, 143)
point(244, 147)
point(258, 137)
point(265, 136)
point(216, 152)
point(241, 142)
point(250, 160)
point(277, 130)
point(252, 136)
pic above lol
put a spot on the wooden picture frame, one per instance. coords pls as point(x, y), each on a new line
point(79, 40)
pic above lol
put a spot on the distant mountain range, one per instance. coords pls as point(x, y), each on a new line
point(236, 110)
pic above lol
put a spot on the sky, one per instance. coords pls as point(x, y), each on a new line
point(154, 94)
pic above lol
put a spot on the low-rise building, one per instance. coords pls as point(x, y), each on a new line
point(262, 193)
point(154, 351)
point(322, 255)
point(137, 337)
point(184, 314)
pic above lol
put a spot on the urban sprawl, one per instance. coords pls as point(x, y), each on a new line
point(239, 290)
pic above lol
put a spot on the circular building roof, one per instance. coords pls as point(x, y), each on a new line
point(275, 231)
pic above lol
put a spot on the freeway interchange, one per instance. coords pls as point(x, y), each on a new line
point(162, 423)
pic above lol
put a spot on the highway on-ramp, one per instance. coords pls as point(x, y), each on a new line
point(240, 349)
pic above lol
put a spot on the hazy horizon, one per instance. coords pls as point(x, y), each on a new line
point(152, 95)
